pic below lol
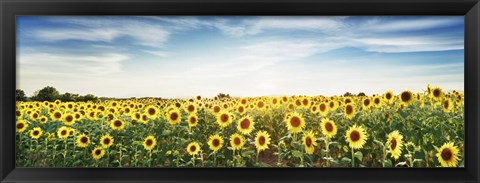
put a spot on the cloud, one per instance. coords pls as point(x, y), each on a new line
point(412, 24)
point(105, 29)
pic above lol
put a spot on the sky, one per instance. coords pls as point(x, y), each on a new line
point(244, 56)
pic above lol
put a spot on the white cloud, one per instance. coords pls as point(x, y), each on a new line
point(412, 24)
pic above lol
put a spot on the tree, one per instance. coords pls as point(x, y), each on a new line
point(348, 94)
point(20, 95)
point(361, 94)
point(87, 97)
point(69, 97)
point(46, 94)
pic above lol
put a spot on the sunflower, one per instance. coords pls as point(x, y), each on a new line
point(21, 126)
point(98, 153)
point(174, 116)
point(356, 137)
point(395, 141)
point(406, 97)
point(106, 141)
point(448, 155)
point(215, 142)
point(237, 141)
point(193, 148)
point(377, 101)
point(262, 140)
point(43, 119)
point(436, 93)
point(224, 118)
point(56, 115)
point(241, 109)
point(349, 111)
point(82, 141)
point(117, 124)
point(309, 142)
point(245, 125)
point(388, 96)
point(323, 108)
point(36, 133)
point(295, 122)
point(192, 120)
point(191, 108)
point(366, 103)
point(447, 105)
point(62, 132)
point(149, 143)
point(152, 111)
point(69, 119)
point(329, 129)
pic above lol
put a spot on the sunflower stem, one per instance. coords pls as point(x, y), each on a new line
point(258, 152)
point(65, 153)
point(353, 159)
point(215, 159)
point(193, 160)
point(327, 151)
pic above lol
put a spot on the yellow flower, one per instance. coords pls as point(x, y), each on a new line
point(69, 119)
point(329, 129)
point(349, 111)
point(295, 122)
point(193, 148)
point(395, 144)
point(174, 116)
point(21, 126)
point(309, 142)
point(224, 118)
point(245, 125)
point(106, 141)
point(448, 155)
point(406, 97)
point(149, 143)
point(215, 142)
point(237, 141)
point(117, 124)
point(152, 111)
point(62, 132)
point(98, 153)
point(356, 137)
point(447, 105)
point(82, 141)
point(262, 140)
point(192, 120)
point(36, 133)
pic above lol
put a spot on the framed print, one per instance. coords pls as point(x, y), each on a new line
point(241, 91)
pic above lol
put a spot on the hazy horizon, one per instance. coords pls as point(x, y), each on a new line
point(244, 56)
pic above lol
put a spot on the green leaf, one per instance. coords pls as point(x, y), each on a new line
point(358, 155)
point(297, 154)
point(345, 160)
point(248, 153)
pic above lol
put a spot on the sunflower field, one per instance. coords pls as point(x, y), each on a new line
point(424, 129)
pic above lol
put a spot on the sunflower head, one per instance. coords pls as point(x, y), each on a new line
point(63, 132)
point(447, 105)
point(349, 110)
point(224, 118)
point(193, 148)
point(448, 155)
point(69, 119)
point(295, 122)
point(436, 93)
point(191, 108)
point(192, 120)
point(215, 142)
point(106, 141)
point(388, 96)
point(117, 124)
point(36, 133)
point(406, 97)
point(82, 141)
point(174, 116)
point(152, 111)
point(262, 140)
point(245, 125)
point(149, 143)
point(98, 153)
point(356, 137)
point(323, 108)
point(329, 129)
point(309, 142)
point(395, 144)
point(21, 126)
point(237, 141)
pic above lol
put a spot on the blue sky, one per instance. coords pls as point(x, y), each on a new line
point(182, 56)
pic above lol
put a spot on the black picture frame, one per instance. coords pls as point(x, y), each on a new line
point(9, 9)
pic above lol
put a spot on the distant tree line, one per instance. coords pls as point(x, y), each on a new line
point(51, 94)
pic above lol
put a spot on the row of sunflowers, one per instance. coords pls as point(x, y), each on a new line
point(406, 129)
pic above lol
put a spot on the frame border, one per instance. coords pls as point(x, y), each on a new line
point(9, 9)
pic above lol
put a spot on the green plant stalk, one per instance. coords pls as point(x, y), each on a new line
point(193, 160)
point(215, 159)
point(384, 154)
point(327, 144)
point(353, 159)
point(233, 158)
point(258, 152)
point(150, 158)
point(65, 154)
